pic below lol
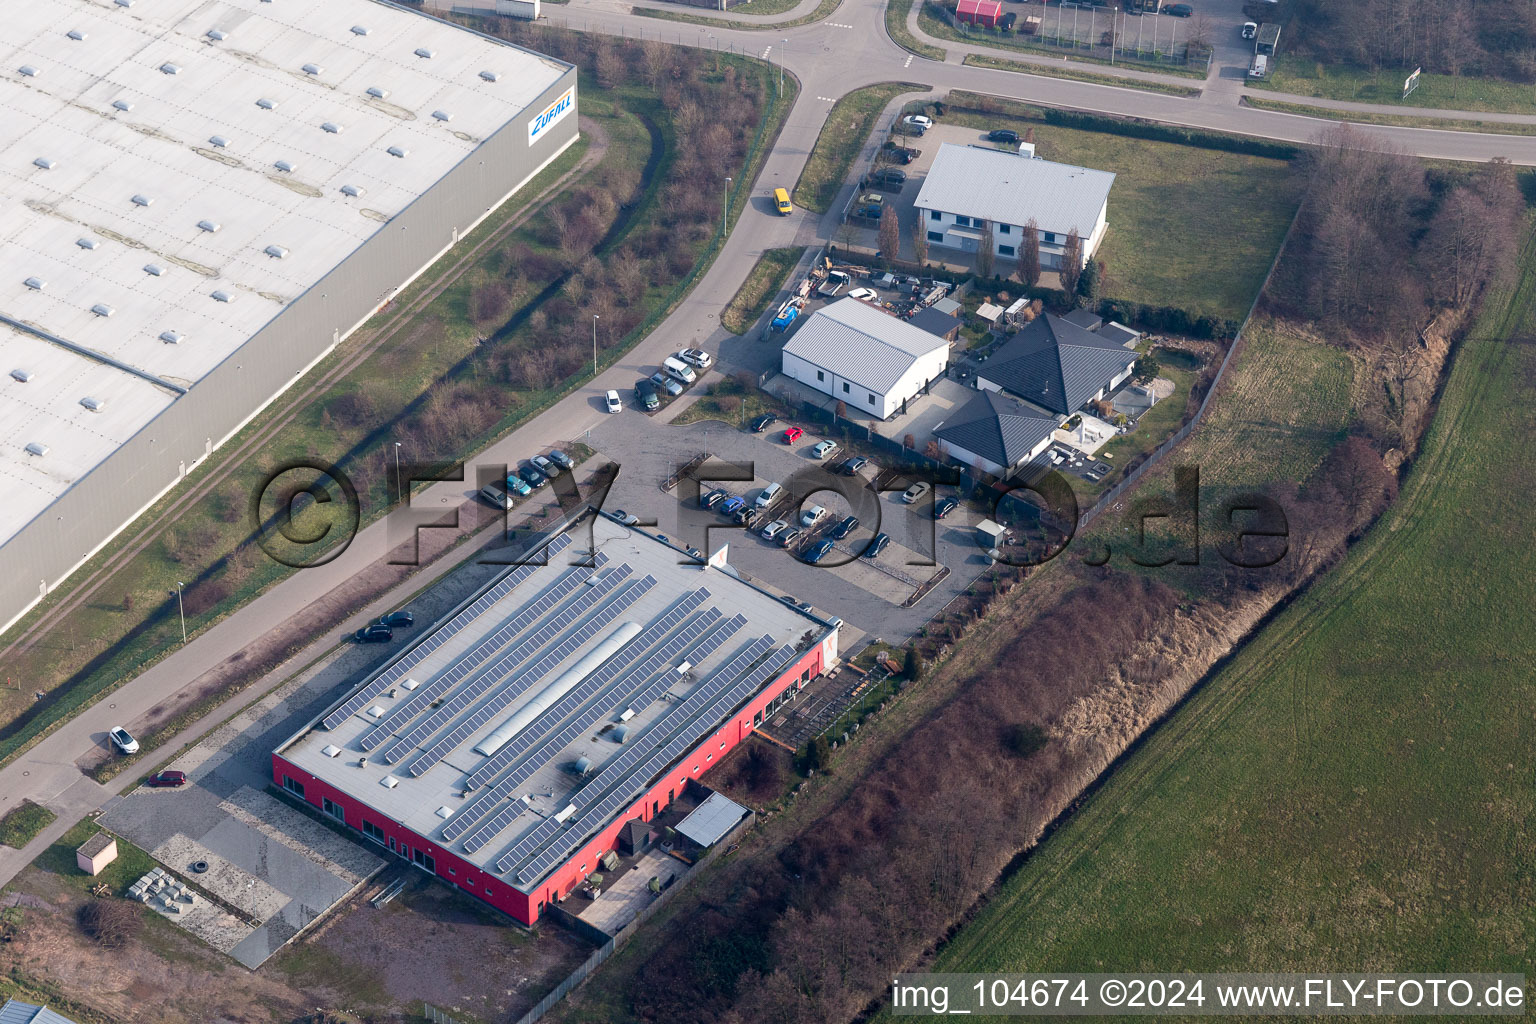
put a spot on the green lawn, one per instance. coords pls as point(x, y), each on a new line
point(896, 12)
point(847, 128)
point(1204, 248)
point(1447, 124)
point(131, 864)
point(23, 823)
point(982, 60)
point(1353, 790)
point(761, 285)
point(1303, 77)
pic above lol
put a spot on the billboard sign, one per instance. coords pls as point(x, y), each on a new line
point(1411, 82)
point(552, 115)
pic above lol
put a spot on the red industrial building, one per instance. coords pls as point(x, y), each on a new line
point(508, 747)
point(980, 12)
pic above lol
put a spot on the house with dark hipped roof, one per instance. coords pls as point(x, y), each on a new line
point(1057, 365)
point(997, 434)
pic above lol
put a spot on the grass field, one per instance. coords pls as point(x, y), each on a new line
point(823, 10)
point(982, 60)
point(848, 126)
point(1302, 77)
point(1354, 788)
point(1449, 124)
point(22, 824)
point(1204, 249)
point(896, 12)
point(752, 298)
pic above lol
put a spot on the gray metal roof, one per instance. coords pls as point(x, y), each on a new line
point(711, 819)
point(1055, 364)
point(934, 321)
point(862, 344)
point(997, 428)
point(15, 1012)
point(1010, 189)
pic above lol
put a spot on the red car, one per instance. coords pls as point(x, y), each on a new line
point(168, 778)
point(792, 434)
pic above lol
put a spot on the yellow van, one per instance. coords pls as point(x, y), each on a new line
point(781, 197)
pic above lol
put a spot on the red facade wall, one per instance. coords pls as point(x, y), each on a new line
point(979, 12)
point(526, 907)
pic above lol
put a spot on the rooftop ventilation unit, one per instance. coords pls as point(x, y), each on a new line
point(123, 105)
point(330, 750)
point(312, 69)
point(331, 127)
point(102, 309)
point(375, 712)
point(37, 284)
point(442, 115)
point(277, 252)
point(154, 270)
point(124, 3)
point(566, 811)
point(75, 34)
point(21, 375)
point(218, 35)
point(422, 51)
point(410, 684)
point(222, 296)
point(143, 200)
point(28, 71)
point(378, 93)
point(217, 141)
point(620, 734)
point(389, 782)
point(286, 166)
point(397, 151)
point(355, 191)
point(87, 243)
point(360, 30)
point(46, 163)
point(491, 76)
point(93, 404)
point(266, 104)
point(171, 337)
point(37, 448)
point(210, 226)
point(170, 69)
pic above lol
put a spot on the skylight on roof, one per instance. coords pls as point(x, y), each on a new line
point(75, 34)
point(37, 447)
point(398, 151)
point(93, 404)
point(277, 252)
point(218, 35)
point(266, 104)
point(154, 270)
point(222, 296)
point(218, 141)
point(442, 115)
point(45, 162)
point(87, 243)
point(491, 76)
point(143, 200)
point(170, 69)
point(21, 375)
point(28, 71)
point(360, 30)
point(286, 166)
point(422, 51)
point(102, 309)
point(331, 127)
point(37, 284)
point(171, 337)
point(355, 191)
point(312, 69)
point(378, 93)
point(124, 105)
point(210, 226)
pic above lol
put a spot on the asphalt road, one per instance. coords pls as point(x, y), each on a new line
point(847, 50)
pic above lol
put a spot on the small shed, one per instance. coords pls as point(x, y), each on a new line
point(992, 532)
point(635, 837)
point(980, 12)
point(939, 324)
point(711, 820)
point(989, 312)
point(96, 853)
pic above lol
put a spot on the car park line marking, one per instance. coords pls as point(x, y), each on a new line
point(909, 60)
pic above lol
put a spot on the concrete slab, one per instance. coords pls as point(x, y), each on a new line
point(631, 892)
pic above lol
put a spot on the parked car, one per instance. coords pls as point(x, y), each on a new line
point(713, 498)
point(823, 449)
point(377, 633)
point(866, 294)
point(789, 536)
point(889, 177)
point(624, 517)
point(945, 506)
point(769, 496)
point(611, 401)
point(169, 777)
point(678, 370)
point(532, 475)
point(697, 356)
point(546, 465)
point(645, 394)
point(877, 544)
point(763, 422)
point(497, 497)
point(918, 121)
point(1250, 29)
point(899, 154)
point(818, 551)
point(836, 281)
point(870, 204)
point(1179, 10)
point(667, 384)
point(853, 465)
point(844, 528)
point(912, 495)
point(518, 486)
point(561, 459)
point(123, 740)
point(913, 131)
point(1002, 135)
point(774, 528)
point(398, 620)
point(812, 515)
point(781, 202)
point(792, 434)
point(731, 506)
point(745, 516)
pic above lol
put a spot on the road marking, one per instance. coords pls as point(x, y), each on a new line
point(909, 61)
point(766, 51)
point(827, 99)
point(833, 24)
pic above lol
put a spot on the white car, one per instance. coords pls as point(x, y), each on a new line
point(123, 740)
point(769, 496)
point(697, 356)
point(812, 515)
point(867, 294)
point(823, 449)
point(912, 495)
point(774, 528)
point(612, 401)
point(919, 120)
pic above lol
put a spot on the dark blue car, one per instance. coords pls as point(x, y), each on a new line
point(817, 553)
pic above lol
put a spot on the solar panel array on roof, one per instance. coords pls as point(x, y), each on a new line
point(640, 687)
point(419, 651)
point(472, 660)
point(538, 671)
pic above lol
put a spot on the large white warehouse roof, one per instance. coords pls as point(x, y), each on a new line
point(173, 172)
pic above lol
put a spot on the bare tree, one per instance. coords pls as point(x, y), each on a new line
point(890, 234)
point(1071, 262)
point(1029, 256)
point(986, 252)
point(920, 242)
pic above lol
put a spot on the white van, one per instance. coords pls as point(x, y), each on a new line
point(678, 370)
point(1260, 68)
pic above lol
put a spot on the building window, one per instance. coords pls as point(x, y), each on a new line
point(935, 236)
point(424, 860)
point(871, 399)
point(1005, 229)
point(962, 220)
point(935, 215)
point(334, 809)
point(820, 375)
point(708, 758)
point(451, 871)
point(293, 786)
point(757, 719)
point(487, 892)
point(1050, 237)
point(1006, 250)
point(373, 831)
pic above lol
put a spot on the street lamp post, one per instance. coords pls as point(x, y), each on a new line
point(182, 610)
point(782, 51)
point(594, 345)
point(398, 491)
point(725, 209)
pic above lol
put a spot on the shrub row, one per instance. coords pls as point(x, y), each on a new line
point(1168, 319)
point(1169, 133)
